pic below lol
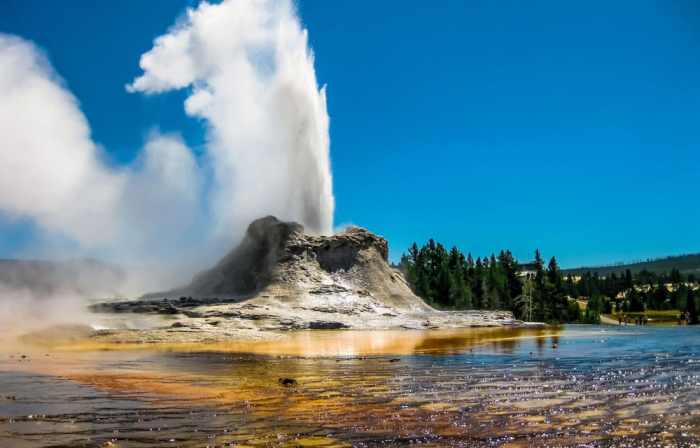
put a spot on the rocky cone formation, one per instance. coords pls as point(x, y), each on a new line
point(281, 278)
point(277, 259)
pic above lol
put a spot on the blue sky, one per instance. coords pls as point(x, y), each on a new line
point(569, 127)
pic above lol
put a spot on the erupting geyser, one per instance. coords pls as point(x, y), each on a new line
point(250, 77)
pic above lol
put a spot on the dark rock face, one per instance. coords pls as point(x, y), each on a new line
point(246, 269)
point(250, 266)
point(287, 382)
point(326, 325)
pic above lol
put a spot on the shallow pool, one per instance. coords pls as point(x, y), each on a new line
point(569, 386)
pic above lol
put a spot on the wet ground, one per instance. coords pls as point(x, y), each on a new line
point(574, 386)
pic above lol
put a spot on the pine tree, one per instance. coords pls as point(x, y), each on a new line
point(557, 301)
point(593, 310)
point(628, 279)
point(553, 273)
point(636, 303)
point(675, 276)
point(539, 306)
point(571, 286)
point(513, 285)
point(442, 286)
point(658, 298)
point(478, 285)
point(691, 308)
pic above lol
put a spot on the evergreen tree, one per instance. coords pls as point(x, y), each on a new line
point(451, 280)
point(691, 308)
point(510, 269)
point(675, 277)
point(470, 260)
point(556, 297)
point(457, 297)
point(657, 299)
point(443, 284)
point(570, 287)
point(478, 284)
point(554, 274)
point(628, 279)
point(636, 304)
point(540, 310)
point(573, 311)
point(593, 310)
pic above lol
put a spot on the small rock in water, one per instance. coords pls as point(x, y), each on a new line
point(325, 325)
point(287, 382)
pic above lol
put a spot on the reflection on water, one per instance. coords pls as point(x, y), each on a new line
point(488, 387)
point(346, 343)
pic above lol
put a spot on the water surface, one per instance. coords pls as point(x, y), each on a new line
point(572, 386)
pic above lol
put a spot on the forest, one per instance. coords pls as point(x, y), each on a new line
point(539, 291)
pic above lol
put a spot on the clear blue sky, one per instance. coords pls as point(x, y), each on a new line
point(572, 127)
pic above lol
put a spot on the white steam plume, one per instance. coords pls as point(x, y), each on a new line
point(250, 74)
point(252, 78)
point(52, 172)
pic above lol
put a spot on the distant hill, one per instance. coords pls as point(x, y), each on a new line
point(686, 264)
point(44, 278)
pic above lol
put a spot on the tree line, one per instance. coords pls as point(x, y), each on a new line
point(626, 292)
point(448, 279)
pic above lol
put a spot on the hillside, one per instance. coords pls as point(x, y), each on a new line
point(686, 264)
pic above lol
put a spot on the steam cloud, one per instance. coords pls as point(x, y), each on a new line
point(249, 72)
point(252, 78)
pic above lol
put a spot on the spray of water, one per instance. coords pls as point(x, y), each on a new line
point(250, 76)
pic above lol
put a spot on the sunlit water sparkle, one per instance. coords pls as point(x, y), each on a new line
point(575, 386)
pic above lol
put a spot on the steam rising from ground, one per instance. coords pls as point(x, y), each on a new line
point(250, 74)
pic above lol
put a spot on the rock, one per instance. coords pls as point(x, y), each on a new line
point(277, 255)
point(322, 325)
point(281, 279)
point(287, 382)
